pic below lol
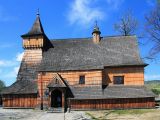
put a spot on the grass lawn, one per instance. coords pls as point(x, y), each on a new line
point(134, 114)
point(154, 86)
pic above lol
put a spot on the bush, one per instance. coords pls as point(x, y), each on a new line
point(156, 91)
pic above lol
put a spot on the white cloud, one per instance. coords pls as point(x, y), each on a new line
point(150, 2)
point(84, 12)
point(16, 69)
point(114, 4)
point(7, 63)
point(2, 63)
point(19, 56)
point(152, 77)
point(10, 69)
point(6, 45)
point(9, 75)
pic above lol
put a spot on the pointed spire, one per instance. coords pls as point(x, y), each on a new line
point(96, 22)
point(96, 34)
point(96, 28)
point(37, 28)
point(38, 12)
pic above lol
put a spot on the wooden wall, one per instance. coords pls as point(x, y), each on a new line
point(32, 56)
point(71, 77)
point(33, 42)
point(20, 101)
point(93, 77)
point(132, 75)
point(111, 103)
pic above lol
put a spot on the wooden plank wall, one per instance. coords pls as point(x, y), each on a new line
point(33, 42)
point(32, 56)
point(93, 77)
point(20, 101)
point(132, 75)
point(112, 103)
point(72, 77)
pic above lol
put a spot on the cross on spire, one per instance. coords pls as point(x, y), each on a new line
point(38, 12)
point(96, 28)
point(95, 23)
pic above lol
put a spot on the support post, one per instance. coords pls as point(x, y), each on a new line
point(41, 93)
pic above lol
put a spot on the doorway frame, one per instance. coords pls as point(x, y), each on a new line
point(63, 96)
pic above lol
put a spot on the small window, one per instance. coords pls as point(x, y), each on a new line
point(82, 79)
point(118, 79)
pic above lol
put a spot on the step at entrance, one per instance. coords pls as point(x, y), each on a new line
point(55, 110)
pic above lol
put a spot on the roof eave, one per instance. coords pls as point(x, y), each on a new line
point(134, 65)
point(18, 93)
point(41, 70)
point(32, 35)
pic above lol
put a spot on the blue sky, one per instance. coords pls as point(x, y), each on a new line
point(65, 19)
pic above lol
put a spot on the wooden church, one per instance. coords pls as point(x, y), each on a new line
point(79, 73)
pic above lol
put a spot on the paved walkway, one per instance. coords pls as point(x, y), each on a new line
point(29, 114)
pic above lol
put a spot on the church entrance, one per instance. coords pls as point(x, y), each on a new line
point(56, 99)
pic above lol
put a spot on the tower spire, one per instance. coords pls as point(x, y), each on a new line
point(36, 37)
point(38, 12)
point(96, 28)
point(95, 23)
point(96, 33)
point(37, 28)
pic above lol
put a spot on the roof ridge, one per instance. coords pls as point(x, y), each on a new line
point(82, 38)
point(59, 39)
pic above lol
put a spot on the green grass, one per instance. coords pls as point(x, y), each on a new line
point(156, 91)
point(132, 111)
point(105, 113)
point(92, 116)
point(154, 86)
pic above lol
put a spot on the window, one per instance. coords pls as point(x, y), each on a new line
point(118, 79)
point(82, 79)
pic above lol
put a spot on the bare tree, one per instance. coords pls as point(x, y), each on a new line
point(153, 28)
point(127, 24)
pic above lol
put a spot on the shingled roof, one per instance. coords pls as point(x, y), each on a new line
point(21, 87)
point(115, 91)
point(84, 54)
point(36, 29)
point(25, 80)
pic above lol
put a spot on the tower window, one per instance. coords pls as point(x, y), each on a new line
point(118, 79)
point(82, 79)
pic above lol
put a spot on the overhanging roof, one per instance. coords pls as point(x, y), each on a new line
point(84, 54)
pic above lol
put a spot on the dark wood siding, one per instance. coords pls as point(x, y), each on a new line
point(112, 103)
point(20, 101)
point(0, 100)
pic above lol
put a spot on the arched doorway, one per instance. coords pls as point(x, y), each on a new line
point(56, 98)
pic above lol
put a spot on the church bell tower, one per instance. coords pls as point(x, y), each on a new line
point(34, 43)
point(36, 38)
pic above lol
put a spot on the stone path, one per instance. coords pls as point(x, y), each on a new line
point(29, 114)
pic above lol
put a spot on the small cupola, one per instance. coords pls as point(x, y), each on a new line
point(96, 34)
